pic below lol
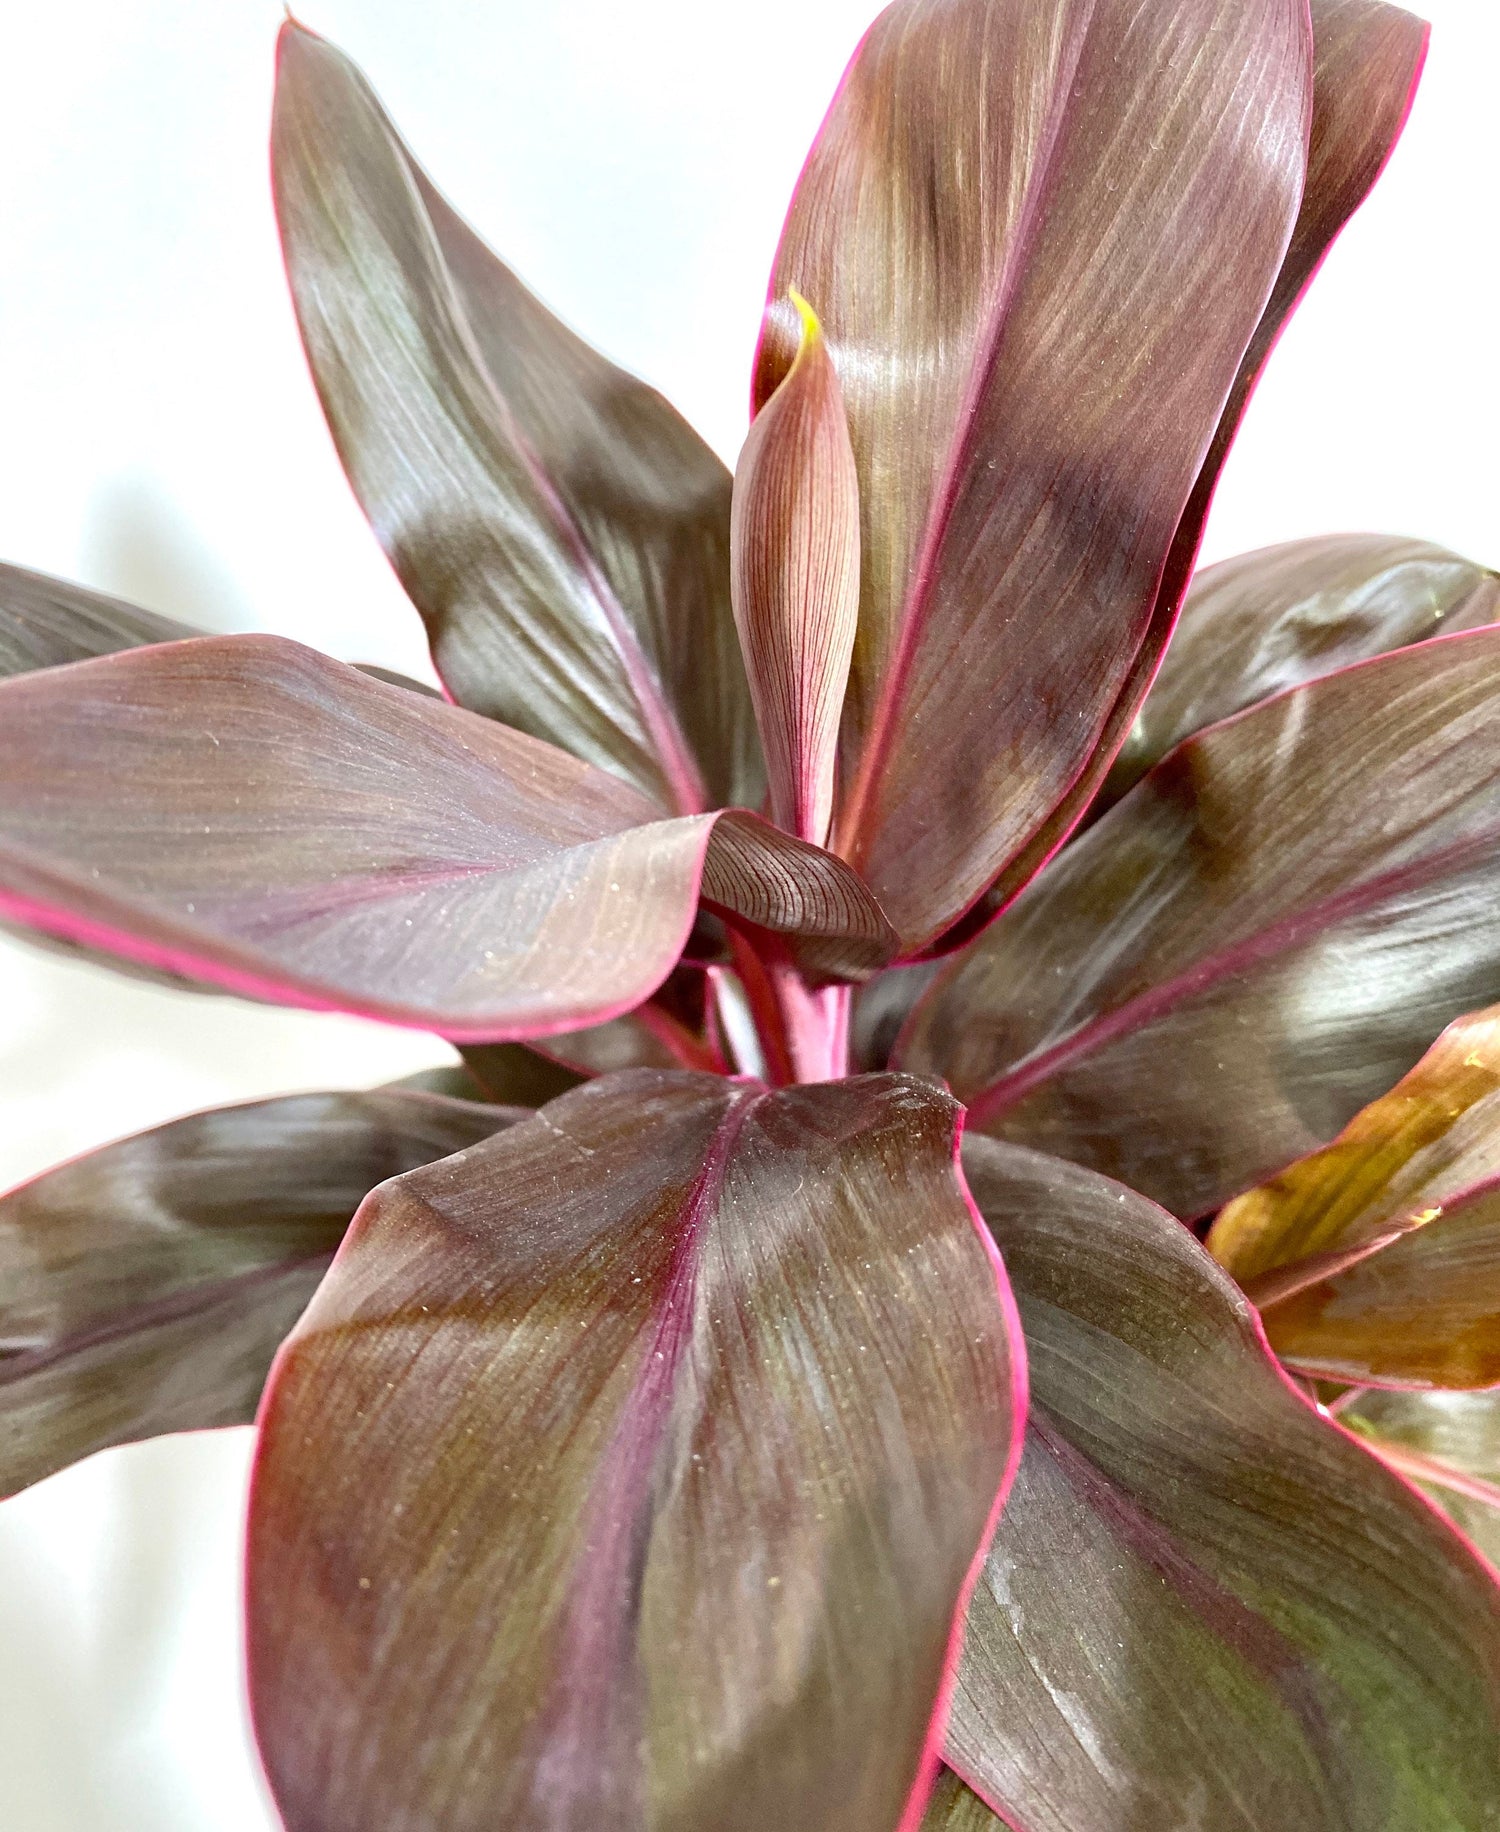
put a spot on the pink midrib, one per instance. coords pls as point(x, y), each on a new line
point(854, 835)
point(676, 762)
point(1010, 1089)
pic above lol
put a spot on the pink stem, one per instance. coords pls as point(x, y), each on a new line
point(814, 1024)
point(1431, 1470)
point(804, 1033)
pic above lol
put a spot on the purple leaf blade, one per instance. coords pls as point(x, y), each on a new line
point(1253, 945)
point(1255, 625)
point(145, 1287)
point(1367, 58)
point(1202, 1596)
point(795, 572)
point(47, 622)
point(246, 811)
point(679, 1499)
point(1027, 435)
point(563, 533)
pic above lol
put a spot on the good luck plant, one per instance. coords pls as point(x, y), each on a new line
point(779, 1380)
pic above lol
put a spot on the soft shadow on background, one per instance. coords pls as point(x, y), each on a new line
point(163, 443)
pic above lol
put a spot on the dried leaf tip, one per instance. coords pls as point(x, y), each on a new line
point(795, 578)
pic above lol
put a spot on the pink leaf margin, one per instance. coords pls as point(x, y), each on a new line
point(1020, 1397)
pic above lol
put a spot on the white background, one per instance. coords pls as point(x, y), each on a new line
point(161, 441)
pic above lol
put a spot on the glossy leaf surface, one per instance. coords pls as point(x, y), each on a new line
point(562, 531)
point(1205, 1606)
point(1378, 1258)
point(1366, 60)
point(1458, 1435)
point(247, 811)
point(45, 622)
point(1027, 429)
point(1269, 620)
point(794, 544)
point(1254, 944)
point(688, 1407)
point(145, 1287)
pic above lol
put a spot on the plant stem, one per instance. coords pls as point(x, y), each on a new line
point(804, 1033)
point(1420, 1468)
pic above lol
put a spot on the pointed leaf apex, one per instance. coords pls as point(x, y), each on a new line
point(812, 329)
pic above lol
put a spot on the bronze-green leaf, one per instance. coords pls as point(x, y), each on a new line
point(1378, 1258)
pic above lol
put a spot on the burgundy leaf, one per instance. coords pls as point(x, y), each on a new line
point(1449, 1442)
point(562, 531)
point(1204, 1605)
point(795, 575)
point(1255, 943)
point(1366, 60)
point(249, 812)
point(145, 1287)
point(1378, 1258)
point(45, 622)
point(1256, 625)
point(687, 1407)
point(1040, 238)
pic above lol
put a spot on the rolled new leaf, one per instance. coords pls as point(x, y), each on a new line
point(246, 811)
point(1378, 1258)
point(795, 574)
point(562, 531)
point(1367, 57)
point(1254, 944)
point(1027, 432)
point(145, 1287)
point(45, 622)
point(1203, 1598)
point(1447, 1442)
point(1256, 625)
point(687, 1407)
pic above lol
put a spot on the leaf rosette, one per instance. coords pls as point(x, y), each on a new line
point(884, 903)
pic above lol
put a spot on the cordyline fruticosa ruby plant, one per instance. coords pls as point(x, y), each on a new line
point(653, 1451)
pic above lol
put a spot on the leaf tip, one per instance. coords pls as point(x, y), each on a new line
point(812, 329)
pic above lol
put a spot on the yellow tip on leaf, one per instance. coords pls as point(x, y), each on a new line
point(811, 329)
